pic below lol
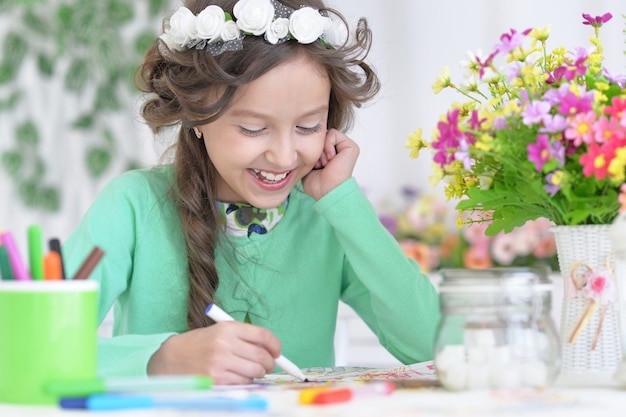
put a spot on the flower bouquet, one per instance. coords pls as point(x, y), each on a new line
point(543, 135)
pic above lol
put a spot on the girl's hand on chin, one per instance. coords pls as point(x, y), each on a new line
point(229, 352)
point(335, 165)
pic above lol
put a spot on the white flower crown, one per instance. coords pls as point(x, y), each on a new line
point(216, 31)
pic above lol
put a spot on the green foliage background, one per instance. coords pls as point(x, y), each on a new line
point(88, 45)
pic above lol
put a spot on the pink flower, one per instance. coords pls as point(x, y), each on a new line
point(594, 162)
point(599, 287)
point(581, 129)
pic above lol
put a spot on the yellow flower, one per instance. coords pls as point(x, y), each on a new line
point(415, 143)
point(443, 81)
point(617, 165)
point(540, 34)
point(437, 176)
point(484, 142)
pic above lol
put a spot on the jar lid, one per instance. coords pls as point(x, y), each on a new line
point(502, 279)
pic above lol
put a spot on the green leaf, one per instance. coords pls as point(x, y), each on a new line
point(39, 167)
point(155, 7)
point(77, 75)
point(14, 49)
point(11, 101)
point(27, 134)
point(27, 191)
point(106, 99)
point(129, 78)
point(109, 138)
point(83, 122)
point(36, 23)
point(45, 65)
point(119, 12)
point(7, 72)
point(12, 162)
point(65, 15)
point(98, 161)
point(49, 199)
point(108, 53)
point(143, 41)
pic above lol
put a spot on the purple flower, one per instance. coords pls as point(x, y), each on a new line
point(554, 96)
point(617, 79)
point(463, 155)
point(597, 21)
point(485, 64)
point(409, 192)
point(571, 104)
point(511, 40)
point(390, 223)
point(539, 152)
point(474, 121)
point(449, 135)
point(558, 152)
point(553, 123)
point(535, 112)
point(551, 188)
point(575, 68)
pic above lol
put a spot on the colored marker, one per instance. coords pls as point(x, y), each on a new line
point(35, 251)
point(17, 265)
point(219, 315)
point(86, 387)
point(339, 395)
point(52, 267)
point(127, 402)
point(89, 264)
point(5, 264)
point(54, 245)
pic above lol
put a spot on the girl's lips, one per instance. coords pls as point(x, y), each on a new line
point(271, 181)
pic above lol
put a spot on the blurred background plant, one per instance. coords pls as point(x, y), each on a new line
point(424, 225)
point(81, 49)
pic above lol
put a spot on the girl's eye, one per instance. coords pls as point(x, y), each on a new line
point(251, 132)
point(315, 129)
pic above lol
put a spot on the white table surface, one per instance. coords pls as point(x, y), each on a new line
point(572, 395)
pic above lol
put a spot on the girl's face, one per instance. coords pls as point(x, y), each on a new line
point(272, 135)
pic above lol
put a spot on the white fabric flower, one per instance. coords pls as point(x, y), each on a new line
point(336, 33)
point(254, 16)
point(169, 41)
point(307, 25)
point(230, 31)
point(210, 22)
point(182, 27)
point(277, 30)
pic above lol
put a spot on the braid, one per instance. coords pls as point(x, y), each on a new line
point(195, 186)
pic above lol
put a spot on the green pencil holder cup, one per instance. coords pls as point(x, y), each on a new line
point(48, 330)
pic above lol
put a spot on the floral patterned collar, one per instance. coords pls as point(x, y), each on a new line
point(241, 219)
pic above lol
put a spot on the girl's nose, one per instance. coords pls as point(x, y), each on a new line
point(282, 151)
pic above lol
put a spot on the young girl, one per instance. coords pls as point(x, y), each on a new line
point(258, 212)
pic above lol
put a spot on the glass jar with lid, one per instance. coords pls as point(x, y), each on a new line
point(496, 331)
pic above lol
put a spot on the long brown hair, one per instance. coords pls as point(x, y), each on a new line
point(178, 84)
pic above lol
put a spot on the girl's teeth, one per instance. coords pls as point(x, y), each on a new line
point(268, 176)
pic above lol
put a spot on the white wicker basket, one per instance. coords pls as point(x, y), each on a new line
point(587, 246)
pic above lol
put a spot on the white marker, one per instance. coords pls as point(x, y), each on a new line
point(219, 315)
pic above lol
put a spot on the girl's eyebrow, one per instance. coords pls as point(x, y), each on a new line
point(258, 115)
